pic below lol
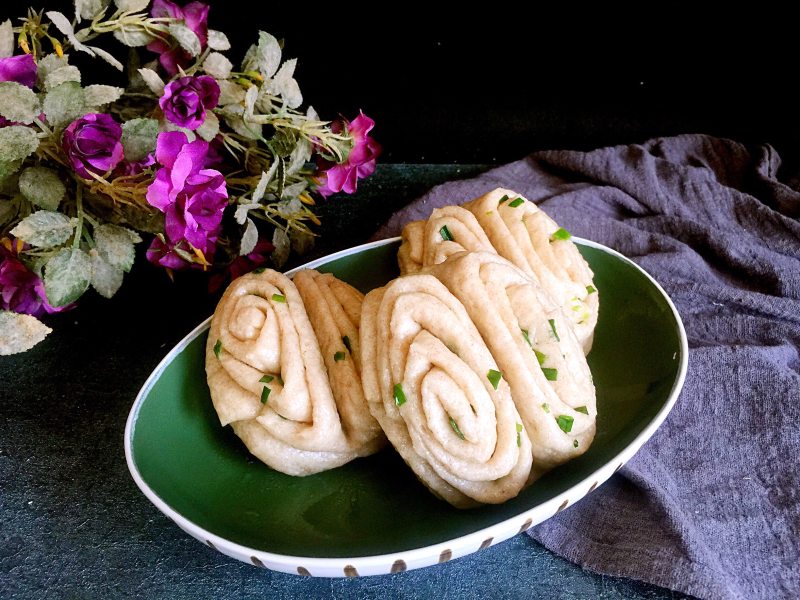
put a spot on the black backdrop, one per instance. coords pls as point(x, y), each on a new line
point(485, 86)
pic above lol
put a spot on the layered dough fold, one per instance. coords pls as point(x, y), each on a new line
point(268, 378)
point(535, 348)
point(428, 381)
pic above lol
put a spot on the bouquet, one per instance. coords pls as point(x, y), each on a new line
point(215, 167)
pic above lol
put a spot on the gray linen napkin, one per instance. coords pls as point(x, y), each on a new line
point(711, 504)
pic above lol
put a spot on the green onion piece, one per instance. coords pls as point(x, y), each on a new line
point(515, 203)
point(445, 233)
point(503, 199)
point(217, 348)
point(546, 407)
point(346, 342)
point(265, 394)
point(519, 435)
point(565, 422)
point(266, 379)
point(574, 443)
point(399, 395)
point(279, 298)
point(527, 338)
point(560, 234)
point(553, 327)
point(550, 374)
point(454, 425)
point(339, 356)
point(489, 212)
point(280, 380)
point(590, 289)
point(582, 409)
point(259, 270)
point(540, 356)
point(494, 377)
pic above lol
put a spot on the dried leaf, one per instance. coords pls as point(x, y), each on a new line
point(261, 187)
point(300, 156)
point(19, 333)
point(106, 56)
point(217, 65)
point(153, 81)
point(267, 55)
point(43, 187)
point(210, 127)
point(302, 241)
point(64, 26)
point(187, 38)
point(106, 280)
point(18, 103)
point(44, 229)
point(100, 95)
point(282, 245)
point(241, 212)
point(249, 238)
point(47, 64)
point(133, 36)
point(17, 143)
point(6, 39)
point(139, 138)
point(63, 104)
point(89, 9)
point(230, 93)
point(67, 276)
point(218, 40)
point(115, 246)
point(132, 5)
point(62, 75)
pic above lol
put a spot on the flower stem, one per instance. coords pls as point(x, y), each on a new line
point(79, 205)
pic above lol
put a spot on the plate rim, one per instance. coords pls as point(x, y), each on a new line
point(402, 560)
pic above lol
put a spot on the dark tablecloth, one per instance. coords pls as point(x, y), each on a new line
point(711, 504)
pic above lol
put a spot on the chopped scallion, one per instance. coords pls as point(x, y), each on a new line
point(346, 342)
point(494, 377)
point(540, 356)
point(526, 336)
point(339, 356)
point(445, 233)
point(574, 443)
point(546, 407)
point(265, 394)
point(279, 298)
point(454, 425)
point(550, 374)
point(217, 348)
point(515, 203)
point(259, 270)
point(553, 328)
point(560, 234)
point(582, 409)
point(503, 199)
point(519, 435)
point(565, 423)
point(266, 379)
point(590, 289)
point(399, 395)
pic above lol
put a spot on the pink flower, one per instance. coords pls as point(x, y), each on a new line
point(20, 69)
point(195, 17)
point(192, 198)
point(186, 100)
point(92, 144)
point(359, 164)
point(21, 290)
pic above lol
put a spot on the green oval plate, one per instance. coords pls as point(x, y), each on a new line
point(371, 516)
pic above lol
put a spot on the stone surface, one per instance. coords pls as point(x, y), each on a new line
point(74, 524)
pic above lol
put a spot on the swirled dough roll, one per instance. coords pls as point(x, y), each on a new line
point(268, 379)
point(524, 234)
point(334, 309)
point(535, 348)
point(449, 230)
point(427, 378)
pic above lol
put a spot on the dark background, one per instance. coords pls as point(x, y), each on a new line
point(488, 86)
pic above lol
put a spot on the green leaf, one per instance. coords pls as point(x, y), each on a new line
point(115, 245)
point(553, 328)
point(560, 234)
point(265, 394)
point(217, 65)
point(106, 280)
point(19, 333)
point(399, 395)
point(266, 379)
point(139, 138)
point(445, 233)
point(186, 38)
point(45, 228)
point(515, 203)
point(42, 187)
point(96, 96)
point(279, 298)
point(550, 374)
point(17, 143)
point(565, 423)
point(218, 40)
point(6, 39)
point(63, 104)
point(217, 348)
point(339, 356)
point(590, 289)
point(494, 377)
point(455, 427)
point(18, 103)
point(67, 275)
point(62, 75)
point(582, 409)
